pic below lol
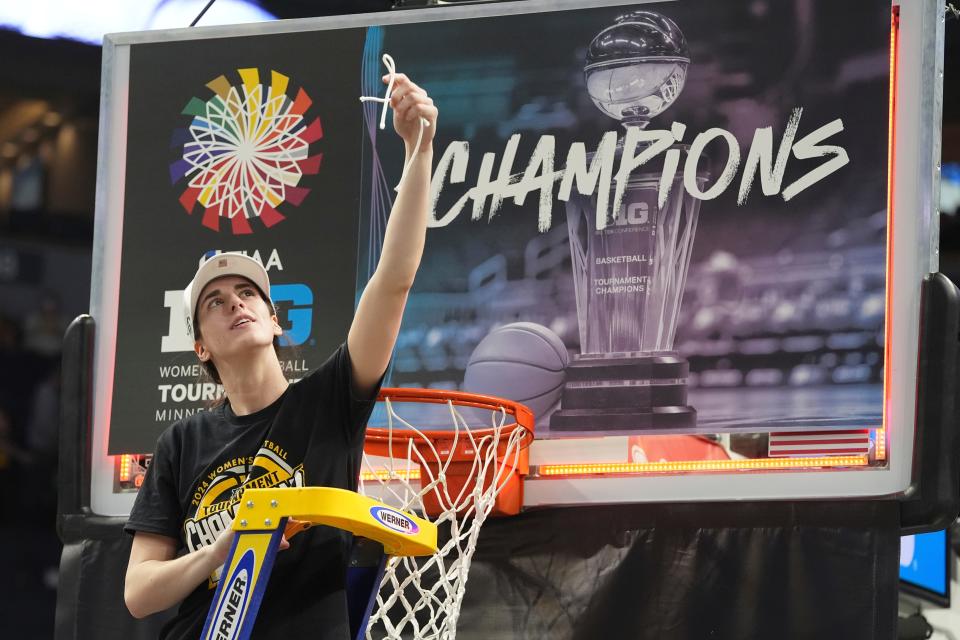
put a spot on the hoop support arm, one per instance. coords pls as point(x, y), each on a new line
point(261, 520)
point(400, 533)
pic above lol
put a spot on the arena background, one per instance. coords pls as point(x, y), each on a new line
point(47, 234)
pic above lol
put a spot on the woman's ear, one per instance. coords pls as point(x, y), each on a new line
point(277, 329)
point(201, 351)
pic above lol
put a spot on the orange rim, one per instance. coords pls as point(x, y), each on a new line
point(378, 439)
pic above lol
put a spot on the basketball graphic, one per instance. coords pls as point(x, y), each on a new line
point(521, 361)
point(245, 151)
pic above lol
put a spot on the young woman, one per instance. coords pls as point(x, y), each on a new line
point(269, 432)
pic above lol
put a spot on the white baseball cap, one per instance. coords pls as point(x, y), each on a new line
point(218, 266)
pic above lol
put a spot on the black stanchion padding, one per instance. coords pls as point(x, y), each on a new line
point(93, 562)
point(933, 500)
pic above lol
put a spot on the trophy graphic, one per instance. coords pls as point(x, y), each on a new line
point(629, 277)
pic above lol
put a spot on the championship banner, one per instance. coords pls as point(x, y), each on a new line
point(650, 219)
point(668, 217)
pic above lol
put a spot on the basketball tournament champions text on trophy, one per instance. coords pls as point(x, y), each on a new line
point(630, 275)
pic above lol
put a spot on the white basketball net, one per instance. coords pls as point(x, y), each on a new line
point(420, 597)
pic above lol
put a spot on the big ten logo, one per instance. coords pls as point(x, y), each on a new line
point(293, 302)
point(297, 301)
point(632, 213)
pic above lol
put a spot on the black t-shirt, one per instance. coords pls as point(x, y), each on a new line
point(312, 435)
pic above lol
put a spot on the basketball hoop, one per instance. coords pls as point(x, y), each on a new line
point(456, 478)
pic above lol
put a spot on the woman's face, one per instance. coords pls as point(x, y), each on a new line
point(233, 319)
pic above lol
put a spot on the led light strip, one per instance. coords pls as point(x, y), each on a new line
point(700, 465)
point(881, 440)
point(126, 461)
point(386, 476)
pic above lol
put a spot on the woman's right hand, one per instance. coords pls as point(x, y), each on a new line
point(220, 548)
point(156, 579)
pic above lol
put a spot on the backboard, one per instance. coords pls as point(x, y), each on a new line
point(693, 250)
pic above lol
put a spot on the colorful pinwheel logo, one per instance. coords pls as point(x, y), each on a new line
point(245, 151)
